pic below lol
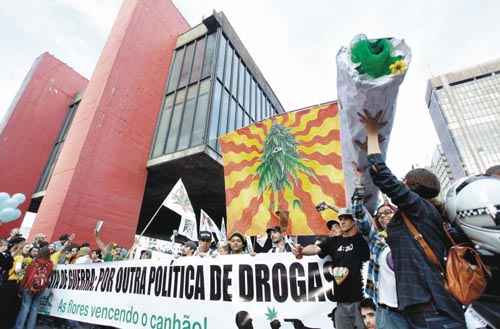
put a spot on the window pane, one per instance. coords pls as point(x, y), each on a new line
point(247, 91)
point(234, 85)
point(241, 83)
point(198, 58)
point(187, 119)
point(163, 126)
point(201, 113)
point(209, 55)
point(252, 99)
point(239, 117)
point(175, 121)
point(220, 57)
point(229, 62)
point(258, 108)
point(262, 103)
point(175, 70)
point(246, 120)
point(223, 112)
point(232, 115)
point(186, 66)
point(214, 114)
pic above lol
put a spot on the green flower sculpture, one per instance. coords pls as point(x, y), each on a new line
point(375, 57)
point(280, 163)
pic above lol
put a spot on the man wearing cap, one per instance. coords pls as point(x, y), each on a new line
point(204, 249)
point(333, 226)
point(188, 248)
point(279, 243)
point(348, 253)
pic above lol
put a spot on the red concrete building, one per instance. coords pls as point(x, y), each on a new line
point(32, 123)
point(160, 95)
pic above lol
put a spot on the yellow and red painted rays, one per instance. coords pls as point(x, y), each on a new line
point(317, 132)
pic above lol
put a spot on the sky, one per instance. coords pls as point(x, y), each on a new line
point(293, 42)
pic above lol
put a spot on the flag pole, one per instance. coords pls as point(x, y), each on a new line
point(151, 220)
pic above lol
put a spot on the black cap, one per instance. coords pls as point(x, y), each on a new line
point(273, 229)
point(205, 236)
point(332, 222)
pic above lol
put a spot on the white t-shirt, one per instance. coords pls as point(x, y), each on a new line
point(387, 293)
point(83, 260)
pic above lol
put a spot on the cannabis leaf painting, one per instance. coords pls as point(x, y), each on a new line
point(291, 161)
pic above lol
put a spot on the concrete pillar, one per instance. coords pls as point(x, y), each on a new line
point(101, 172)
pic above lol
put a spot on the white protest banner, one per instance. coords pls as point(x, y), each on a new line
point(188, 228)
point(178, 200)
point(207, 224)
point(191, 292)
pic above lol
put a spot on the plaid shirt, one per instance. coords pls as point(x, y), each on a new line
point(376, 243)
point(417, 280)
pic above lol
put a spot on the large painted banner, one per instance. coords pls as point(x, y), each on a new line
point(195, 293)
point(291, 162)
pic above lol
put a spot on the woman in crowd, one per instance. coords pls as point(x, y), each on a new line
point(381, 281)
point(237, 244)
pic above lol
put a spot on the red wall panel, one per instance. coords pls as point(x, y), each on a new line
point(32, 125)
point(101, 172)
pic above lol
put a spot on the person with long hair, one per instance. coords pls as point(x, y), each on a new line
point(381, 280)
point(422, 297)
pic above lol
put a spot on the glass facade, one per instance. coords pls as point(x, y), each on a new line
point(471, 110)
point(56, 150)
point(210, 92)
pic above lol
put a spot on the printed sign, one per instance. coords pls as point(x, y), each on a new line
point(190, 292)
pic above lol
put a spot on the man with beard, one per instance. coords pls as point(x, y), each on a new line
point(279, 242)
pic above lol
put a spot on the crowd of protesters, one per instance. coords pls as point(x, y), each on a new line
point(402, 289)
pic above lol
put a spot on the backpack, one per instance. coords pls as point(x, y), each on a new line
point(37, 276)
point(465, 275)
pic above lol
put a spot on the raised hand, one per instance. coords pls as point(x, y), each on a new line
point(372, 123)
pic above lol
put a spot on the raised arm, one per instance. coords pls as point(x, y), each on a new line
point(406, 200)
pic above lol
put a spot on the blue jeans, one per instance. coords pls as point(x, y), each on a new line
point(29, 310)
point(433, 320)
point(387, 319)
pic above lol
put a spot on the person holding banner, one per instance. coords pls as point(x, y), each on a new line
point(422, 296)
point(237, 244)
point(204, 246)
point(188, 248)
point(279, 242)
point(348, 253)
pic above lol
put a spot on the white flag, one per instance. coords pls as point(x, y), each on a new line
point(178, 201)
point(207, 224)
point(249, 244)
point(188, 228)
point(223, 229)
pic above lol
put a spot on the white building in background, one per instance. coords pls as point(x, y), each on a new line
point(440, 167)
point(465, 109)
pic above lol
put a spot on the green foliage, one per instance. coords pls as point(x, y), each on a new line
point(271, 314)
point(296, 204)
point(374, 57)
point(280, 161)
